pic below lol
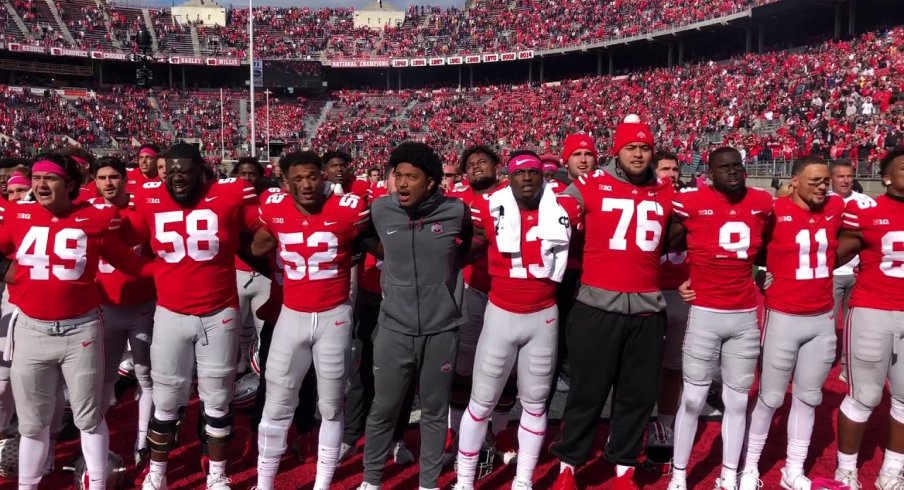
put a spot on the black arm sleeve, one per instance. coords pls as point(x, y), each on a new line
point(467, 232)
point(368, 241)
point(260, 265)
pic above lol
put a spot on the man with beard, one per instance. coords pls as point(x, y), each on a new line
point(193, 224)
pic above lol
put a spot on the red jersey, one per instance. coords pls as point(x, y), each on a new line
point(624, 226)
point(239, 263)
point(369, 272)
point(518, 283)
point(88, 192)
point(723, 239)
point(881, 279)
point(114, 286)
point(557, 186)
point(800, 254)
point(358, 187)
point(316, 250)
point(57, 256)
point(674, 270)
point(476, 274)
point(135, 180)
point(196, 247)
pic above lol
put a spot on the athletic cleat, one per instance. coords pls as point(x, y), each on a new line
point(521, 485)
point(509, 458)
point(797, 482)
point(562, 385)
point(889, 482)
point(142, 456)
point(218, 482)
point(346, 451)
point(721, 485)
point(676, 484)
point(368, 486)
point(565, 481)
point(461, 486)
point(849, 478)
point(400, 453)
point(626, 481)
point(153, 481)
point(750, 480)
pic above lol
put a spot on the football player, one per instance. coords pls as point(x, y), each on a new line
point(146, 171)
point(337, 169)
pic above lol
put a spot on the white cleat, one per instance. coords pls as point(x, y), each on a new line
point(401, 454)
point(368, 486)
point(725, 485)
point(508, 458)
point(153, 481)
point(798, 482)
point(848, 477)
point(677, 484)
point(218, 482)
point(346, 451)
point(521, 485)
point(889, 482)
point(460, 486)
point(750, 480)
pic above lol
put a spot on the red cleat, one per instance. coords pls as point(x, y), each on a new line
point(565, 481)
point(626, 481)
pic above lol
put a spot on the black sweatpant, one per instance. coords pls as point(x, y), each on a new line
point(565, 293)
point(305, 418)
point(360, 394)
point(610, 351)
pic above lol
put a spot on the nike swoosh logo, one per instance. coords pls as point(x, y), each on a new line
point(329, 223)
point(390, 232)
point(86, 344)
point(829, 218)
point(227, 320)
point(755, 212)
point(208, 199)
point(79, 220)
point(341, 323)
point(550, 321)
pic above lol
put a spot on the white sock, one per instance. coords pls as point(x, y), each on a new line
point(145, 410)
point(760, 422)
point(455, 415)
point(32, 452)
point(158, 467)
point(734, 421)
point(266, 472)
point(693, 397)
point(500, 421)
point(800, 430)
point(729, 477)
point(330, 439)
point(470, 439)
point(531, 433)
point(679, 475)
point(892, 463)
point(565, 466)
point(847, 462)
point(666, 420)
point(620, 470)
point(218, 468)
point(95, 448)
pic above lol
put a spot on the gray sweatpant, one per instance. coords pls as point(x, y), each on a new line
point(400, 360)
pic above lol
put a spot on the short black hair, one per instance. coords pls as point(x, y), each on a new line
point(663, 155)
point(374, 169)
point(10, 162)
point(184, 151)
point(840, 164)
point(889, 157)
point(247, 161)
point(116, 163)
point(70, 167)
point(473, 150)
point(299, 158)
point(421, 156)
point(336, 154)
point(722, 150)
point(803, 162)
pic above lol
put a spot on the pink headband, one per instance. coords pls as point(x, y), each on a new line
point(17, 179)
point(524, 162)
point(147, 151)
point(550, 167)
point(81, 161)
point(49, 167)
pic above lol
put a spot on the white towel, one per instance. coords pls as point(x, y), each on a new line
point(554, 231)
point(8, 348)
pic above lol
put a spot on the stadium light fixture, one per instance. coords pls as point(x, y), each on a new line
point(251, 70)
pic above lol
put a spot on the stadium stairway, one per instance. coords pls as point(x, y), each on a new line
point(195, 42)
point(23, 29)
point(55, 12)
point(149, 25)
point(165, 124)
point(311, 129)
point(109, 24)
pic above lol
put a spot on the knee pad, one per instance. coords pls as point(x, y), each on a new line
point(855, 411)
point(478, 412)
point(734, 400)
point(460, 395)
point(897, 410)
point(218, 428)
point(330, 410)
point(507, 400)
point(163, 436)
point(772, 398)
